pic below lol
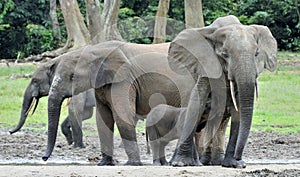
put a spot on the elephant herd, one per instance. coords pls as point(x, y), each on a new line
point(187, 90)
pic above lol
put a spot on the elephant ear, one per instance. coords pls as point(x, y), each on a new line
point(113, 66)
point(267, 57)
point(192, 52)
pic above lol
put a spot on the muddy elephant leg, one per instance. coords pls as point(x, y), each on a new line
point(105, 127)
point(124, 108)
point(229, 160)
point(184, 154)
point(218, 144)
point(66, 130)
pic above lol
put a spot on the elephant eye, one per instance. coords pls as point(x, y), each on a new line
point(224, 54)
point(257, 52)
point(72, 76)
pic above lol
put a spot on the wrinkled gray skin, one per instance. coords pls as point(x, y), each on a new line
point(80, 107)
point(129, 79)
point(234, 53)
point(164, 124)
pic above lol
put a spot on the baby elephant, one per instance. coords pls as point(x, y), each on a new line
point(164, 123)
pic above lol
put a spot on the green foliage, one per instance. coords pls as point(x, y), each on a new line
point(14, 38)
point(25, 27)
point(4, 7)
point(280, 16)
point(39, 38)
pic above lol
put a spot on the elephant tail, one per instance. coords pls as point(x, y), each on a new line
point(147, 140)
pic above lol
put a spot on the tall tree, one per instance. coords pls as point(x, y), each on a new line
point(110, 18)
point(78, 34)
point(161, 21)
point(94, 19)
point(54, 21)
point(193, 14)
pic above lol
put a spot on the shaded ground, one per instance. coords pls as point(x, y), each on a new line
point(28, 147)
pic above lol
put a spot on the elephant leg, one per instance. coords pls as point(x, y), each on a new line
point(66, 130)
point(162, 156)
point(196, 155)
point(105, 126)
point(155, 146)
point(75, 114)
point(204, 150)
point(218, 144)
point(86, 113)
point(124, 109)
point(195, 109)
point(229, 160)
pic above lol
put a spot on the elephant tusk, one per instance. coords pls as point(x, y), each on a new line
point(68, 102)
point(30, 107)
point(233, 95)
point(256, 89)
point(35, 106)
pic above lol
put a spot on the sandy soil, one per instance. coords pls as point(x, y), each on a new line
point(265, 153)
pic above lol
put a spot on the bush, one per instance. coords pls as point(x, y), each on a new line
point(39, 39)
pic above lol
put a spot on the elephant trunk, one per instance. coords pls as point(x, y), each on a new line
point(28, 102)
point(54, 106)
point(246, 89)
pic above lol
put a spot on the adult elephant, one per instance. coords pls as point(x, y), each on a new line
point(129, 79)
point(234, 55)
point(79, 109)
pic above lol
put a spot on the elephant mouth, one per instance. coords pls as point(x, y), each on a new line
point(34, 103)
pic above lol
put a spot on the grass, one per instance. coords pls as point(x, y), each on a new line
point(278, 107)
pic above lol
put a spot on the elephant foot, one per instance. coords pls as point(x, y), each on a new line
point(217, 159)
point(160, 162)
point(205, 160)
point(163, 161)
point(233, 163)
point(70, 141)
point(180, 161)
point(156, 162)
point(241, 164)
point(78, 145)
point(131, 163)
point(106, 160)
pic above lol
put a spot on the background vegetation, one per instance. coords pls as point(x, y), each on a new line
point(25, 27)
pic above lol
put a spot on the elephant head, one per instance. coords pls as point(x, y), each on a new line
point(240, 52)
point(38, 87)
point(82, 69)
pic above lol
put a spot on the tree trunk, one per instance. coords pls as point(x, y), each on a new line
point(161, 22)
point(94, 20)
point(78, 34)
point(193, 14)
point(54, 20)
point(110, 16)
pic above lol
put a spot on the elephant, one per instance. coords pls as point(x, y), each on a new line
point(79, 109)
point(129, 79)
point(122, 74)
point(164, 124)
point(227, 59)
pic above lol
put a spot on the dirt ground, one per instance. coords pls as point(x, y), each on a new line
point(266, 154)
